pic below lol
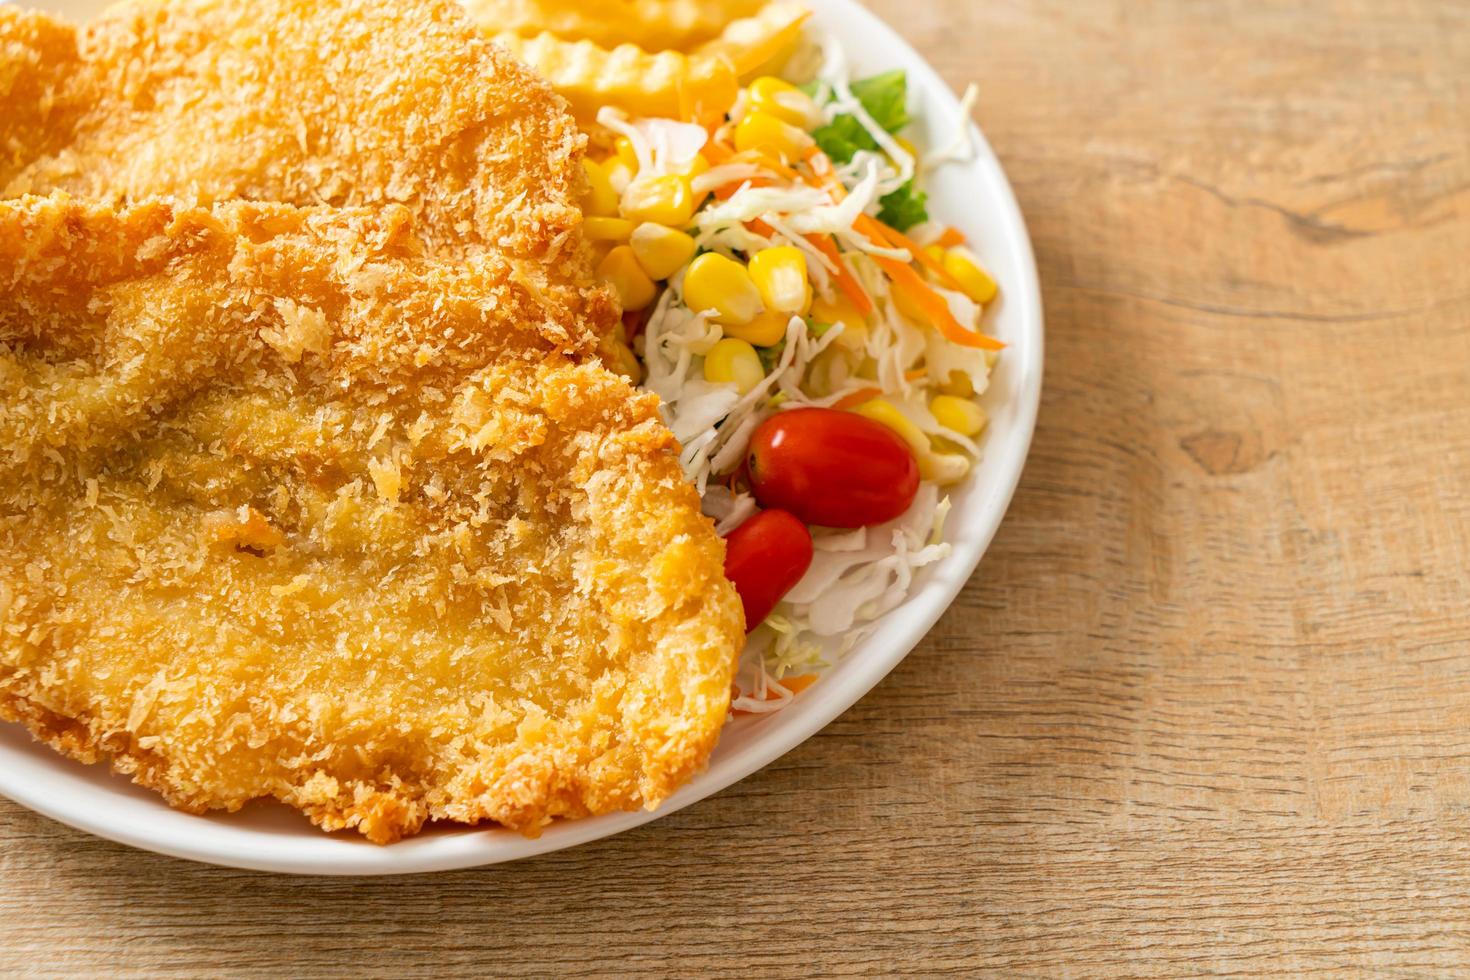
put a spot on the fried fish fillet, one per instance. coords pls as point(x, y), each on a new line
point(292, 507)
point(344, 102)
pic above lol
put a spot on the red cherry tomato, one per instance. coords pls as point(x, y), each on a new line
point(832, 468)
point(765, 557)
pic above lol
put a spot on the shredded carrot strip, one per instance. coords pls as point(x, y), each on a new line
point(793, 684)
point(899, 240)
point(857, 398)
point(916, 374)
point(820, 163)
point(798, 684)
point(717, 153)
point(903, 275)
point(950, 238)
point(846, 281)
point(884, 236)
point(761, 228)
point(728, 190)
point(934, 306)
point(776, 166)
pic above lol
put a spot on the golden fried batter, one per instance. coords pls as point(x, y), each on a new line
point(306, 102)
point(291, 507)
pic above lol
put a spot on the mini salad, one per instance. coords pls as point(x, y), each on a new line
point(815, 338)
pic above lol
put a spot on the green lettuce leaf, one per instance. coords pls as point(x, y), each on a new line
point(843, 137)
point(886, 97)
point(904, 208)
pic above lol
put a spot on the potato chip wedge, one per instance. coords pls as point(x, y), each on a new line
point(653, 25)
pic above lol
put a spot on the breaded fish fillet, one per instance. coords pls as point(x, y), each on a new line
point(291, 507)
point(345, 102)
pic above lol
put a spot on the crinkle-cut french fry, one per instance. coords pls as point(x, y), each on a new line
point(668, 83)
point(653, 25)
point(753, 42)
point(660, 83)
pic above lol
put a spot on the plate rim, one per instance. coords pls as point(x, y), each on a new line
point(212, 842)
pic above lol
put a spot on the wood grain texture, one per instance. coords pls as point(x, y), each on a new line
point(1205, 708)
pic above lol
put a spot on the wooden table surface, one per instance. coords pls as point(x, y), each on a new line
point(1204, 709)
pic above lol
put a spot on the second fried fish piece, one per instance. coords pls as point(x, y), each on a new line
point(344, 102)
point(292, 508)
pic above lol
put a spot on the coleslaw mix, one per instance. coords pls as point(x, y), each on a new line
point(810, 170)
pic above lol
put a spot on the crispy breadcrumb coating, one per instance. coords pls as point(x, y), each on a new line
point(346, 102)
point(38, 59)
point(294, 507)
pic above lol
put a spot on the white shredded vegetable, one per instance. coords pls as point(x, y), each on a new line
point(961, 148)
point(663, 146)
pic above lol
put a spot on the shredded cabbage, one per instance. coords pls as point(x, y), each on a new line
point(864, 574)
point(961, 148)
point(663, 146)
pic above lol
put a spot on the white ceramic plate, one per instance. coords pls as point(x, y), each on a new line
point(974, 196)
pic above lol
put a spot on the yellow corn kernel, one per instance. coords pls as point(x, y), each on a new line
point(600, 229)
point(600, 198)
point(840, 309)
point(958, 414)
point(633, 286)
point(827, 371)
point(936, 252)
point(942, 468)
point(661, 250)
point(974, 280)
point(958, 384)
point(766, 330)
point(764, 133)
point(853, 338)
point(667, 200)
point(734, 361)
point(619, 176)
point(699, 165)
point(723, 285)
point(882, 410)
point(780, 275)
point(623, 150)
point(941, 446)
point(784, 101)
